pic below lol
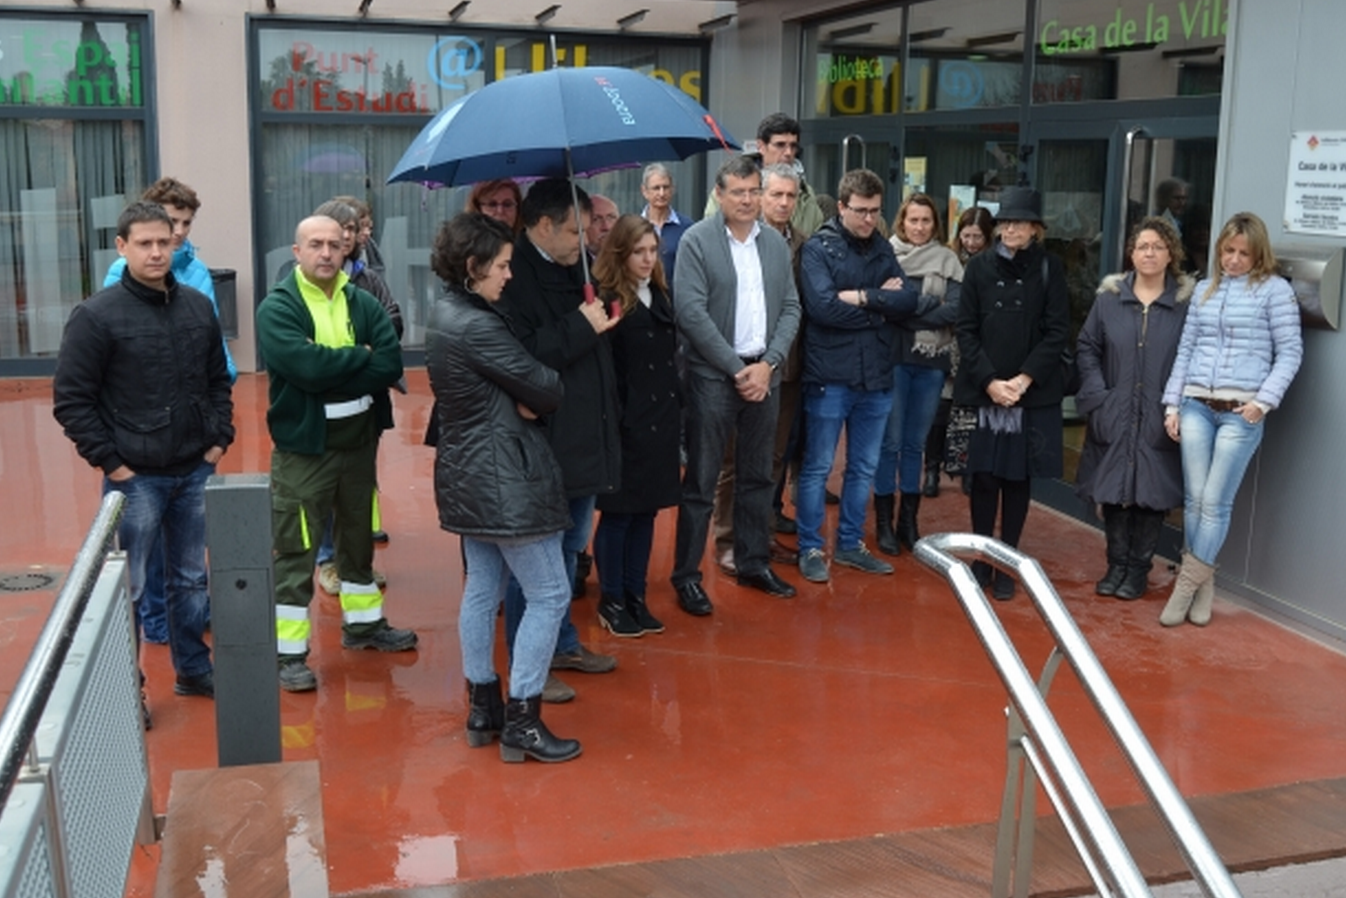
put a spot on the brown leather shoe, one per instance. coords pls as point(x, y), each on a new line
point(783, 554)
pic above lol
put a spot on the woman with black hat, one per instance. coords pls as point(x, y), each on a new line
point(1013, 327)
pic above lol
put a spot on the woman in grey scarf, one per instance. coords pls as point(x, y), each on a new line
point(925, 350)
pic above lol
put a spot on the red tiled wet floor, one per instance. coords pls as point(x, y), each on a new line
point(864, 706)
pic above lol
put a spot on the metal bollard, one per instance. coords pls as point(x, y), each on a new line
point(243, 619)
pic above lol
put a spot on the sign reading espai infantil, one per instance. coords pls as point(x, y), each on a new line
point(1315, 196)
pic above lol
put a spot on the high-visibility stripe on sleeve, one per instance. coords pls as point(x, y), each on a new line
point(376, 516)
point(303, 529)
point(361, 603)
point(293, 629)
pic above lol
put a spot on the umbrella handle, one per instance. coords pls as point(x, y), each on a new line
point(589, 295)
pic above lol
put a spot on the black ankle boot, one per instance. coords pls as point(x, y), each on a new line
point(641, 614)
point(931, 487)
point(616, 619)
point(883, 525)
point(907, 533)
point(1146, 527)
point(485, 713)
point(526, 736)
point(1117, 532)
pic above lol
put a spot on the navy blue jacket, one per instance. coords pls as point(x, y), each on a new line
point(844, 344)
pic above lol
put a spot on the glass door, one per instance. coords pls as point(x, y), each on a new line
point(1098, 180)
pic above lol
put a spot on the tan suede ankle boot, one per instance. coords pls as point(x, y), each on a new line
point(1193, 573)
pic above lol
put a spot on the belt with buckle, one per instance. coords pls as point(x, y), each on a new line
point(1219, 405)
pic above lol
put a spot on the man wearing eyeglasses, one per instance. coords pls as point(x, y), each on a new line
point(738, 311)
point(605, 216)
point(778, 144)
point(853, 296)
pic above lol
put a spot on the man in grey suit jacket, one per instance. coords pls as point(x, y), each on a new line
point(738, 312)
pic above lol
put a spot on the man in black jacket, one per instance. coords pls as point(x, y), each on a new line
point(545, 304)
point(142, 388)
point(853, 293)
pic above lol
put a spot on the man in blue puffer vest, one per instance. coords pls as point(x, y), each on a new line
point(181, 203)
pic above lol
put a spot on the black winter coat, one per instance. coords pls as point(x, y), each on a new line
point(1125, 353)
point(644, 347)
point(141, 379)
point(495, 475)
point(542, 302)
point(1009, 322)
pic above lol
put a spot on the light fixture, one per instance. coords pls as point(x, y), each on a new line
point(547, 14)
point(177, 4)
point(716, 23)
point(1003, 37)
point(931, 34)
point(364, 7)
point(634, 18)
point(270, 5)
point(841, 34)
point(457, 12)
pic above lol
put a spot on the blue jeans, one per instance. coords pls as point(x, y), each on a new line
point(151, 609)
point(1216, 450)
point(622, 545)
point(916, 391)
point(573, 541)
point(327, 548)
point(171, 509)
point(864, 414)
point(491, 566)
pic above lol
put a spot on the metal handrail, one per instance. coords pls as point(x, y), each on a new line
point(29, 699)
point(1044, 744)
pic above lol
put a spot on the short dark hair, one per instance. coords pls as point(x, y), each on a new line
point(737, 167)
point(171, 192)
point(776, 123)
point(858, 182)
point(139, 212)
point(464, 245)
point(552, 198)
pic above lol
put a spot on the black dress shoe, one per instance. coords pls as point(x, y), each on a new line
point(767, 582)
point(693, 599)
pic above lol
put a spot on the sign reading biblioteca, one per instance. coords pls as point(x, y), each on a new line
point(1315, 194)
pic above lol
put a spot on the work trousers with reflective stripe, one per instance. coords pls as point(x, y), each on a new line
point(305, 489)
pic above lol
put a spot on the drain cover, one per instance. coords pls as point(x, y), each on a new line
point(26, 582)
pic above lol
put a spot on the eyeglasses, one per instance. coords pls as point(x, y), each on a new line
point(869, 212)
point(1151, 248)
point(499, 204)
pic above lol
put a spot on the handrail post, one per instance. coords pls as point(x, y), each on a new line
point(1078, 798)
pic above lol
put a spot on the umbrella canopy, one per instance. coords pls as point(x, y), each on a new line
point(526, 126)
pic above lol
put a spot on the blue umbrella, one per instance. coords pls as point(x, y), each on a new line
point(559, 123)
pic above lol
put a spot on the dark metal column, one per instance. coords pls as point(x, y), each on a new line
point(243, 618)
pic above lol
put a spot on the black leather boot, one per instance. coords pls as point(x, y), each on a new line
point(647, 622)
point(1116, 530)
point(616, 619)
point(931, 487)
point(1146, 526)
point(485, 713)
point(907, 533)
point(526, 736)
point(883, 525)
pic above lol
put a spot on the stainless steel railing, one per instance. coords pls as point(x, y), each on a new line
point(1035, 738)
point(24, 710)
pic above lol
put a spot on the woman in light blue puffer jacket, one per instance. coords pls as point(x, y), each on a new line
point(1240, 348)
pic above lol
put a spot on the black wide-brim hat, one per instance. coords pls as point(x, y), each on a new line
point(1020, 204)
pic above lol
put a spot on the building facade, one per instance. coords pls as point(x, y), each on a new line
point(268, 107)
